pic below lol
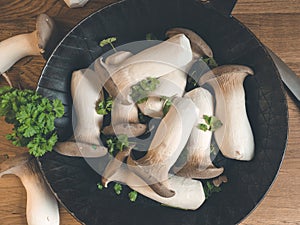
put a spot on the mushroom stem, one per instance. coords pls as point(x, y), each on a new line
point(42, 207)
point(166, 146)
point(19, 46)
point(234, 138)
point(86, 91)
point(199, 164)
point(75, 3)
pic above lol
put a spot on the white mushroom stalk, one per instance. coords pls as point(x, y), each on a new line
point(234, 138)
point(19, 46)
point(124, 118)
point(198, 163)
point(76, 3)
point(170, 85)
point(199, 46)
point(168, 142)
point(86, 90)
point(161, 59)
point(42, 207)
point(189, 194)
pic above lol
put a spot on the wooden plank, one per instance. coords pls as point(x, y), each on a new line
point(266, 6)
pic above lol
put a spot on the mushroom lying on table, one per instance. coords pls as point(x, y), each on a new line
point(42, 207)
point(168, 142)
point(198, 163)
point(86, 91)
point(189, 194)
point(234, 138)
point(19, 46)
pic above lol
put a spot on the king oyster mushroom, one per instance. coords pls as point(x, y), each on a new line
point(19, 46)
point(161, 59)
point(188, 195)
point(234, 138)
point(198, 164)
point(124, 118)
point(167, 144)
point(42, 207)
point(86, 91)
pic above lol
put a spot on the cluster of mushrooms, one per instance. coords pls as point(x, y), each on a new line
point(157, 174)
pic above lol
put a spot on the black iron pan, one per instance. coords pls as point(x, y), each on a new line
point(74, 182)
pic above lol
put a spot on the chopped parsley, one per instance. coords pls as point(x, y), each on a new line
point(117, 143)
point(133, 196)
point(212, 123)
point(33, 118)
point(118, 188)
point(209, 189)
point(140, 91)
point(108, 41)
point(105, 106)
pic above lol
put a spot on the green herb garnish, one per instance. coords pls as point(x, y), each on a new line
point(132, 196)
point(99, 186)
point(211, 62)
point(212, 123)
point(118, 143)
point(108, 41)
point(209, 189)
point(118, 188)
point(105, 106)
point(33, 118)
point(167, 104)
point(140, 91)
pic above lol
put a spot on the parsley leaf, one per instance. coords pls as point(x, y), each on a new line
point(140, 91)
point(117, 143)
point(99, 186)
point(105, 106)
point(211, 62)
point(209, 189)
point(108, 41)
point(132, 196)
point(118, 188)
point(212, 123)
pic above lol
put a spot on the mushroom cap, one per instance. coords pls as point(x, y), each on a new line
point(225, 72)
point(79, 149)
point(199, 46)
point(45, 27)
point(14, 162)
point(129, 129)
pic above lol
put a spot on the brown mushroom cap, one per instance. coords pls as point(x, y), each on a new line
point(157, 186)
point(193, 171)
point(45, 27)
point(79, 149)
point(226, 72)
point(129, 129)
point(199, 46)
point(14, 162)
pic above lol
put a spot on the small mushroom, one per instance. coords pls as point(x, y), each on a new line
point(234, 138)
point(156, 61)
point(198, 164)
point(199, 46)
point(42, 207)
point(86, 91)
point(76, 3)
point(170, 85)
point(168, 142)
point(19, 46)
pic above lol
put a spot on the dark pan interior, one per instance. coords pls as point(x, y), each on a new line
point(74, 182)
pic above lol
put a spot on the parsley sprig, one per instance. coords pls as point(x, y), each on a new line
point(209, 188)
point(33, 118)
point(108, 41)
point(212, 123)
point(117, 143)
point(140, 91)
point(104, 106)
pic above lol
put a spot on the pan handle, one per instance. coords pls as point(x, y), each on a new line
point(224, 7)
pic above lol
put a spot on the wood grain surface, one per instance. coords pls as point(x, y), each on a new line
point(275, 22)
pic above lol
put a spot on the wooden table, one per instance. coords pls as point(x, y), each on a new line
point(275, 22)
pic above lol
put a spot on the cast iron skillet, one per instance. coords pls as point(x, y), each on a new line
point(74, 182)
